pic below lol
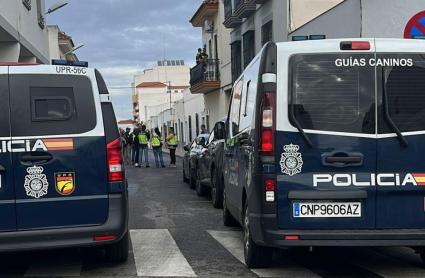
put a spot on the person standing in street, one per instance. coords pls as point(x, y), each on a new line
point(127, 145)
point(204, 129)
point(144, 138)
point(157, 148)
point(135, 145)
point(172, 145)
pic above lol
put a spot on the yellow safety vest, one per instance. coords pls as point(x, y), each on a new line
point(156, 142)
point(143, 138)
point(172, 140)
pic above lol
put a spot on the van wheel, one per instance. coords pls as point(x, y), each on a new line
point(118, 252)
point(185, 180)
point(201, 190)
point(228, 219)
point(216, 189)
point(256, 256)
point(192, 179)
point(421, 252)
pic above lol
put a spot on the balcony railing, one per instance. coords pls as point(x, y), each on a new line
point(230, 19)
point(27, 4)
point(205, 77)
point(245, 8)
point(257, 1)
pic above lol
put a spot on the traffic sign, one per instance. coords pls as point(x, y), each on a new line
point(416, 26)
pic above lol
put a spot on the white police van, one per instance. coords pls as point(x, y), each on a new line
point(62, 180)
point(325, 146)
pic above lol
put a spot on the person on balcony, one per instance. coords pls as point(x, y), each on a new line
point(199, 56)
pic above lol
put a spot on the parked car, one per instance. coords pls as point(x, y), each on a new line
point(210, 166)
point(324, 146)
point(60, 158)
point(190, 159)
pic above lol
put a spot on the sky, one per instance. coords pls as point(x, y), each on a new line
point(123, 37)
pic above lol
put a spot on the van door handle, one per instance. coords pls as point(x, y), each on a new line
point(342, 159)
point(2, 169)
point(33, 158)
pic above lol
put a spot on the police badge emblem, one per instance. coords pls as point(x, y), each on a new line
point(291, 161)
point(36, 184)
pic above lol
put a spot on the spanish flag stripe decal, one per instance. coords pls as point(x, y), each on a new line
point(59, 144)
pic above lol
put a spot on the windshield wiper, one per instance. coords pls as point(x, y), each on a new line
point(298, 125)
point(390, 121)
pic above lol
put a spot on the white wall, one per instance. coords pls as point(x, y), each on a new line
point(153, 101)
point(54, 52)
point(22, 25)
point(387, 19)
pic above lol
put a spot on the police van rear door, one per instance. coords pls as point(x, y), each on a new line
point(7, 191)
point(60, 163)
point(401, 167)
point(330, 97)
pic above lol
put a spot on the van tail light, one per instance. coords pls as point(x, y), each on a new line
point(270, 189)
point(267, 126)
point(115, 161)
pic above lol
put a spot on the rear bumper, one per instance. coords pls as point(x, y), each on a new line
point(265, 232)
point(117, 224)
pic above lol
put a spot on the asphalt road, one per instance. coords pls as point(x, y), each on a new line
point(175, 233)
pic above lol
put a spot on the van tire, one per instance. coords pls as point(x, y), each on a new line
point(256, 256)
point(185, 180)
point(421, 252)
point(216, 189)
point(118, 252)
point(192, 179)
point(201, 190)
point(228, 219)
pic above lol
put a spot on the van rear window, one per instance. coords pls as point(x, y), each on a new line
point(51, 105)
point(405, 90)
point(328, 97)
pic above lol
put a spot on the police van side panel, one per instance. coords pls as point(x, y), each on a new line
point(60, 157)
point(7, 190)
point(243, 172)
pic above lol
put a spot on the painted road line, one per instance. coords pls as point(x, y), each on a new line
point(386, 266)
point(232, 241)
point(57, 264)
point(156, 254)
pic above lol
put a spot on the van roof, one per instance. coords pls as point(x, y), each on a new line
point(333, 45)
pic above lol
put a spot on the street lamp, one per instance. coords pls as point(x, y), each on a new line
point(74, 49)
point(56, 7)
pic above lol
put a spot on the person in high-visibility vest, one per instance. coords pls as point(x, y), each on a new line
point(135, 145)
point(143, 139)
point(156, 144)
point(172, 143)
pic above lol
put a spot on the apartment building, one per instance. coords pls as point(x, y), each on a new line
point(61, 45)
point(156, 89)
point(255, 22)
point(212, 77)
point(23, 32)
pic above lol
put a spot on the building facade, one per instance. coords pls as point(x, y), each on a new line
point(212, 77)
point(23, 32)
point(255, 22)
point(156, 89)
point(61, 45)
